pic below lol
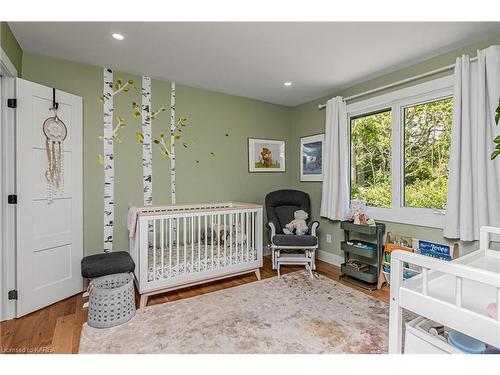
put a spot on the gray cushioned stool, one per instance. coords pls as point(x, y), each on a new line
point(107, 264)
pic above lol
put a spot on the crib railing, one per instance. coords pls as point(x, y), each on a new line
point(413, 294)
point(176, 245)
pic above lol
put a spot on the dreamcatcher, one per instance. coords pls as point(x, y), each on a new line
point(55, 133)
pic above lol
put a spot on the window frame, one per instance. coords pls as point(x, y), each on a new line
point(397, 101)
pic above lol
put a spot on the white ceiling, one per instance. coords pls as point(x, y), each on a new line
point(252, 59)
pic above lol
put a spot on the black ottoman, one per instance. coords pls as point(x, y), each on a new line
point(106, 264)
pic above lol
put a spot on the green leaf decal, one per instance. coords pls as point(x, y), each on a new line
point(140, 137)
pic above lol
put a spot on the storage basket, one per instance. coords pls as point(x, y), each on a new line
point(111, 300)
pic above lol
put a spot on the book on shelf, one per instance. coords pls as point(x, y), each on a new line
point(415, 245)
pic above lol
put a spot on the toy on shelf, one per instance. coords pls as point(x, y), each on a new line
point(357, 212)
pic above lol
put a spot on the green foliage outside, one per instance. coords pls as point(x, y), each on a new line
point(427, 131)
point(371, 159)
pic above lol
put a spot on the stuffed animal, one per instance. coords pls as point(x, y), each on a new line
point(298, 225)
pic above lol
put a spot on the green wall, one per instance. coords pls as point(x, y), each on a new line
point(11, 47)
point(307, 120)
point(210, 117)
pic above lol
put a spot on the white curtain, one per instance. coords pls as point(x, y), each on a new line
point(474, 181)
point(335, 194)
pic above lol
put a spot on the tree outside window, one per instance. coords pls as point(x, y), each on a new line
point(427, 139)
point(371, 158)
point(425, 154)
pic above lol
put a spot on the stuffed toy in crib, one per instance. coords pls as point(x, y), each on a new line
point(298, 225)
point(215, 235)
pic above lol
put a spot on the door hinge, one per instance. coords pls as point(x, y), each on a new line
point(12, 103)
point(13, 294)
point(12, 199)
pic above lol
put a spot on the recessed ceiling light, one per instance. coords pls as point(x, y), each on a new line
point(117, 36)
point(287, 83)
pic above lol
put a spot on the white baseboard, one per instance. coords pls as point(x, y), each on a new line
point(328, 257)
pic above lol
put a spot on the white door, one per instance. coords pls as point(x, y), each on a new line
point(49, 236)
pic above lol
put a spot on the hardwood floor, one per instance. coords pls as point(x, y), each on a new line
point(56, 328)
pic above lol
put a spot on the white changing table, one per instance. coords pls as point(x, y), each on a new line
point(454, 293)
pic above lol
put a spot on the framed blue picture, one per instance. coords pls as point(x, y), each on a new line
point(311, 157)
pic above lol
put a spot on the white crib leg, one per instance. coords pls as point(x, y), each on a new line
point(257, 274)
point(143, 301)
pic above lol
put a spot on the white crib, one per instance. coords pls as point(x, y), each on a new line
point(179, 246)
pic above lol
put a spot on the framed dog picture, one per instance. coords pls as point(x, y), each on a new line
point(266, 155)
point(311, 157)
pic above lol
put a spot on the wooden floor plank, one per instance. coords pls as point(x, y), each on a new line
point(62, 340)
point(58, 326)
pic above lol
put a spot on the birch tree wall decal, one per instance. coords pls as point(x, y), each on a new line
point(172, 142)
point(110, 134)
point(167, 145)
point(147, 156)
point(109, 163)
point(144, 138)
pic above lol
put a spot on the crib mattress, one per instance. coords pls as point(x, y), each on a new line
point(192, 259)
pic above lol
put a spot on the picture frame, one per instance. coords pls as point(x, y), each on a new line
point(311, 157)
point(266, 155)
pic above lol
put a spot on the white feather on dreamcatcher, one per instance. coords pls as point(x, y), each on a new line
point(55, 133)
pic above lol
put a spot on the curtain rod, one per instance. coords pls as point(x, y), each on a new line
point(398, 83)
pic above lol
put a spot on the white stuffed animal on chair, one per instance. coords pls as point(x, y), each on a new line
point(298, 225)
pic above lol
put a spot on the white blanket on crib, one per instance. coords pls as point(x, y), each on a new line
point(132, 221)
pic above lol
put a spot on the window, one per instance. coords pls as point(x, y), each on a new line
point(427, 135)
point(371, 158)
point(400, 144)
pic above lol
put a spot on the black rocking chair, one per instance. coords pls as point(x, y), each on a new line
point(288, 248)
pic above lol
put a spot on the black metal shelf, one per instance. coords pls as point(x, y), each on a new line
point(369, 251)
point(365, 229)
point(370, 276)
point(370, 254)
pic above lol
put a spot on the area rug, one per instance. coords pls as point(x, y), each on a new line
point(291, 314)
